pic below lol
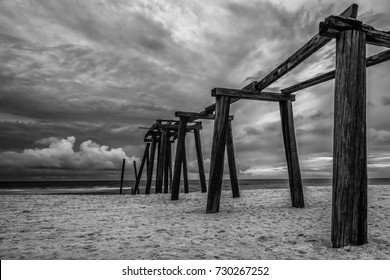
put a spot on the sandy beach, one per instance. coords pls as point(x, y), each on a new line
point(258, 225)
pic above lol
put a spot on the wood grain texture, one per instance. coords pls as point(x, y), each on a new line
point(151, 164)
point(349, 194)
point(291, 151)
point(180, 146)
point(232, 162)
point(218, 153)
point(252, 95)
point(199, 156)
point(333, 25)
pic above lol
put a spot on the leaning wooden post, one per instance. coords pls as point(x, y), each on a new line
point(199, 155)
point(232, 161)
point(185, 172)
point(349, 209)
point(180, 146)
point(135, 169)
point(221, 123)
point(138, 177)
point(123, 171)
point(169, 164)
point(151, 163)
point(291, 150)
point(161, 160)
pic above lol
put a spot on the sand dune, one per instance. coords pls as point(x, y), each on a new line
point(258, 225)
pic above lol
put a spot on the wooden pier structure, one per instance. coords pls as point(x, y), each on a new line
point(349, 196)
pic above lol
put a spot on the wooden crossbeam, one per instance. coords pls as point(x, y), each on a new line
point(370, 61)
point(299, 56)
point(193, 115)
point(333, 25)
point(252, 95)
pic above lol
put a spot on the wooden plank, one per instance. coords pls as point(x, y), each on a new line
point(135, 169)
point(251, 95)
point(333, 25)
point(370, 61)
point(218, 153)
point(199, 156)
point(161, 160)
point(302, 54)
point(197, 116)
point(349, 195)
point(291, 151)
point(185, 172)
point(151, 163)
point(123, 171)
point(232, 161)
point(180, 146)
point(298, 57)
point(138, 177)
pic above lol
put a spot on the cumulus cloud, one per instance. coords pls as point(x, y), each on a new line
point(60, 154)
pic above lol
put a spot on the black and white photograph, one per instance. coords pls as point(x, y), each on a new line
point(194, 130)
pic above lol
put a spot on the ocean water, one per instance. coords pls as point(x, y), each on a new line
point(112, 187)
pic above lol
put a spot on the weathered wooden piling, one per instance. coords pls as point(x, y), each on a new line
point(180, 149)
point(199, 156)
point(221, 124)
point(138, 177)
point(166, 166)
point(291, 151)
point(232, 161)
point(123, 171)
point(185, 171)
point(151, 163)
point(349, 210)
point(161, 160)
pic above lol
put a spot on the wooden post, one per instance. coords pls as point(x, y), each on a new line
point(180, 147)
point(156, 189)
point(169, 159)
point(161, 160)
point(166, 166)
point(138, 178)
point(185, 172)
point(151, 163)
point(221, 124)
point(135, 169)
point(349, 197)
point(290, 146)
point(199, 155)
point(232, 161)
point(123, 171)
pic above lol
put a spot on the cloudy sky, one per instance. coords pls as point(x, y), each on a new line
point(77, 79)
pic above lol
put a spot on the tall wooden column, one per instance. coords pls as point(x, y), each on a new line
point(199, 155)
point(221, 124)
point(185, 171)
point(138, 178)
point(180, 148)
point(349, 209)
point(290, 146)
point(161, 160)
point(166, 167)
point(232, 161)
point(151, 163)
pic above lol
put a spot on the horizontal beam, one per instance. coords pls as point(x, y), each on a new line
point(333, 25)
point(300, 55)
point(370, 61)
point(309, 48)
point(252, 95)
point(197, 116)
